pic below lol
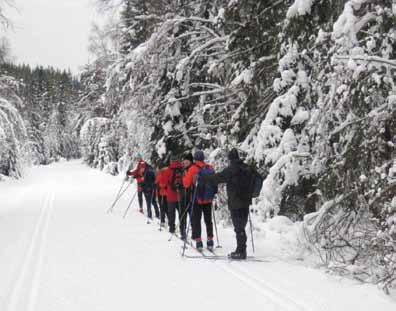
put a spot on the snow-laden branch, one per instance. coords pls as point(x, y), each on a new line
point(367, 59)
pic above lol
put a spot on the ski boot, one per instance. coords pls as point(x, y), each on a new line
point(210, 245)
point(199, 246)
point(238, 255)
point(141, 210)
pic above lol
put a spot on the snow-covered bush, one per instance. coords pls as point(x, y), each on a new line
point(12, 130)
point(94, 142)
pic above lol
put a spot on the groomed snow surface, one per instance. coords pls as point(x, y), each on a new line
point(60, 251)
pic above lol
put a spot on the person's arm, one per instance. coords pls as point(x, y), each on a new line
point(219, 178)
point(132, 173)
point(188, 180)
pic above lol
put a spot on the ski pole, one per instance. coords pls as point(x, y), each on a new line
point(110, 210)
point(180, 214)
point(251, 232)
point(215, 224)
point(117, 197)
point(161, 208)
point(191, 216)
point(130, 204)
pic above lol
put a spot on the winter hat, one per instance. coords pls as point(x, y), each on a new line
point(139, 156)
point(162, 165)
point(199, 155)
point(188, 156)
point(174, 158)
point(233, 155)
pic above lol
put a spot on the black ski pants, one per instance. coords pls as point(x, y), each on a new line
point(150, 200)
point(239, 219)
point(172, 208)
point(140, 198)
point(155, 204)
point(163, 204)
point(184, 211)
point(197, 211)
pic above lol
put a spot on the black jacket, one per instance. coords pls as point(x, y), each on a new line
point(230, 176)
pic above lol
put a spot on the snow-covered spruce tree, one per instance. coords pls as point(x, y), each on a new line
point(329, 134)
point(354, 129)
point(12, 129)
point(93, 141)
point(280, 142)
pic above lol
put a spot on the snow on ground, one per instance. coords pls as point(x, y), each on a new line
point(59, 250)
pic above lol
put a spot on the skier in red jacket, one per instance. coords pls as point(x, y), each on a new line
point(173, 178)
point(162, 193)
point(200, 206)
point(145, 177)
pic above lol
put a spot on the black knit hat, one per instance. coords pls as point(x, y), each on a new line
point(188, 156)
point(233, 155)
point(174, 158)
point(199, 155)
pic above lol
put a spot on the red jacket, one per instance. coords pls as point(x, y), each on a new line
point(190, 177)
point(171, 195)
point(138, 173)
point(161, 183)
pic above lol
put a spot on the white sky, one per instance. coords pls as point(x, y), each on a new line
point(51, 32)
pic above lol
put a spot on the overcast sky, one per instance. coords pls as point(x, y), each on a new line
point(52, 32)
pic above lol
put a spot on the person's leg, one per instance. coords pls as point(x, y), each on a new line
point(172, 216)
point(162, 202)
point(196, 223)
point(140, 199)
point(183, 219)
point(148, 197)
point(155, 205)
point(166, 208)
point(207, 211)
point(239, 219)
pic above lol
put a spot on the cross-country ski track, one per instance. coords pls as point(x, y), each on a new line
point(60, 250)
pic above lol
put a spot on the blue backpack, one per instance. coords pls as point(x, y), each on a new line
point(205, 192)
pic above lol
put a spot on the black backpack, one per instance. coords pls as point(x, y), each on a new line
point(249, 182)
point(257, 183)
point(177, 179)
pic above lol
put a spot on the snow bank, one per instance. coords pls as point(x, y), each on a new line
point(282, 238)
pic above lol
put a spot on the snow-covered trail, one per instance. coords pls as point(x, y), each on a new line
point(59, 250)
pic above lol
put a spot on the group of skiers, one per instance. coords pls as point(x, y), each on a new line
point(187, 187)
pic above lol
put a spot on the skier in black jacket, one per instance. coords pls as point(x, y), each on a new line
point(238, 202)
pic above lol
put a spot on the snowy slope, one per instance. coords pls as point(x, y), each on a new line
point(59, 250)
